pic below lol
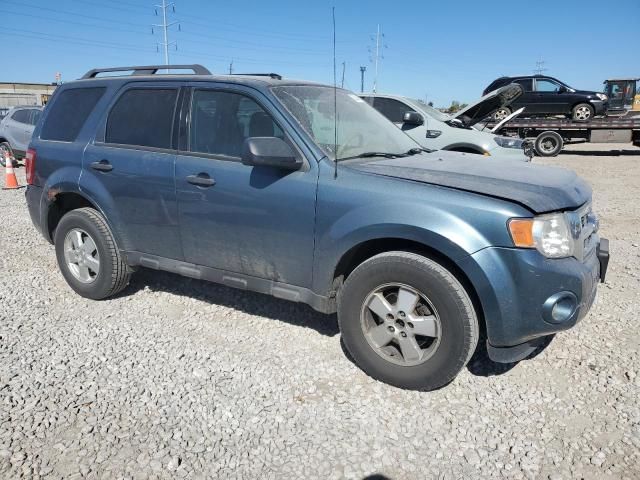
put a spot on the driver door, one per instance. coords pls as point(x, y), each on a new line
point(257, 221)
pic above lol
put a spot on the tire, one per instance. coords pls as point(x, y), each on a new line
point(5, 147)
point(75, 232)
point(501, 113)
point(582, 112)
point(548, 144)
point(441, 298)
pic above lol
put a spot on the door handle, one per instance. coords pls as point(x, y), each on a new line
point(201, 180)
point(102, 166)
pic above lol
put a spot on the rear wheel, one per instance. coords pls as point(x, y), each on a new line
point(407, 321)
point(88, 256)
point(4, 149)
point(582, 112)
point(501, 113)
point(548, 144)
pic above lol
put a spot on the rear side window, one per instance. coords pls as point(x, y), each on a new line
point(20, 116)
point(392, 109)
point(526, 83)
point(69, 112)
point(143, 117)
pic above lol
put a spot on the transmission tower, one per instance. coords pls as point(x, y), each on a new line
point(540, 67)
point(165, 26)
point(377, 54)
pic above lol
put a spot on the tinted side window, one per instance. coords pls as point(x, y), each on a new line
point(35, 116)
point(392, 109)
point(142, 117)
point(221, 121)
point(69, 112)
point(20, 116)
point(526, 83)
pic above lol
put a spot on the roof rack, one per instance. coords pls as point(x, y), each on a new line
point(275, 76)
point(148, 70)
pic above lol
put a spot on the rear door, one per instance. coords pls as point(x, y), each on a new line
point(129, 168)
point(258, 221)
point(16, 129)
point(527, 98)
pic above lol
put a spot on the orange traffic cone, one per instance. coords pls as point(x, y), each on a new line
point(11, 182)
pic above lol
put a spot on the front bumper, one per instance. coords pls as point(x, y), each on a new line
point(526, 296)
point(599, 106)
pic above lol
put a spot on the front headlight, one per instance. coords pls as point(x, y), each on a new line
point(549, 234)
point(602, 97)
point(508, 142)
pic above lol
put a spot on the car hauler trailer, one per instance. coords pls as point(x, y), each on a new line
point(550, 134)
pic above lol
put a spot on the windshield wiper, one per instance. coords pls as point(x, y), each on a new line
point(373, 154)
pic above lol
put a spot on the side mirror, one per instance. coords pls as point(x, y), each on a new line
point(562, 89)
point(413, 118)
point(269, 152)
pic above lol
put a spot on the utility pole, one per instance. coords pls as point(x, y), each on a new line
point(362, 70)
point(378, 56)
point(344, 65)
point(231, 67)
point(165, 28)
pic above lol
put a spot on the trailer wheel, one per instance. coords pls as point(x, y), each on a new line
point(548, 144)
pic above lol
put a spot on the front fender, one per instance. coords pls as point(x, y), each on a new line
point(356, 208)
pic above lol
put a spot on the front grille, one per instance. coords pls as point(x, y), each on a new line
point(584, 226)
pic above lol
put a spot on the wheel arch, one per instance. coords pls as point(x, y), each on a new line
point(367, 249)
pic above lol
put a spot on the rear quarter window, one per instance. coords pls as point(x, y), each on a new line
point(69, 112)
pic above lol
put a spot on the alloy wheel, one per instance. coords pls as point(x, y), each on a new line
point(81, 254)
point(401, 324)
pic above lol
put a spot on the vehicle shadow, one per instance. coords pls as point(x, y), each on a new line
point(482, 366)
point(600, 153)
point(252, 303)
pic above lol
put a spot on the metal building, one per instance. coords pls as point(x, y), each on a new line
point(14, 94)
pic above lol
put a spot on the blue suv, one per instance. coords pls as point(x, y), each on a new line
point(305, 192)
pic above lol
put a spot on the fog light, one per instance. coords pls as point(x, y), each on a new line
point(559, 308)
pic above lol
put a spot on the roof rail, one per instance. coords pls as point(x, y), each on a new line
point(275, 76)
point(148, 70)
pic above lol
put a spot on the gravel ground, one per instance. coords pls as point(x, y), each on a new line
point(177, 378)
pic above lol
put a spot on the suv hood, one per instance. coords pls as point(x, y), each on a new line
point(539, 188)
point(489, 104)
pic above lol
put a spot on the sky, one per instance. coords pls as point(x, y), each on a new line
point(434, 50)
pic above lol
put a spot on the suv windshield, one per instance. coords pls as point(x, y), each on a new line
point(361, 129)
point(432, 112)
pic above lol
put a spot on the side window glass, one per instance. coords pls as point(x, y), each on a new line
point(392, 109)
point(35, 116)
point(21, 116)
point(525, 83)
point(143, 117)
point(69, 112)
point(221, 121)
point(546, 86)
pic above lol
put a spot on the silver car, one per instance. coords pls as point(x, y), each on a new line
point(436, 130)
point(16, 129)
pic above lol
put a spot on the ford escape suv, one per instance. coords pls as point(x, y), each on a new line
point(254, 182)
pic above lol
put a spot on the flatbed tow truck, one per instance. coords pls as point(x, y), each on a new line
point(550, 134)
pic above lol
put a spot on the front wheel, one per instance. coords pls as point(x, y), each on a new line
point(407, 321)
point(582, 112)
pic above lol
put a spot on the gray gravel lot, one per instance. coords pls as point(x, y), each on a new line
point(177, 378)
